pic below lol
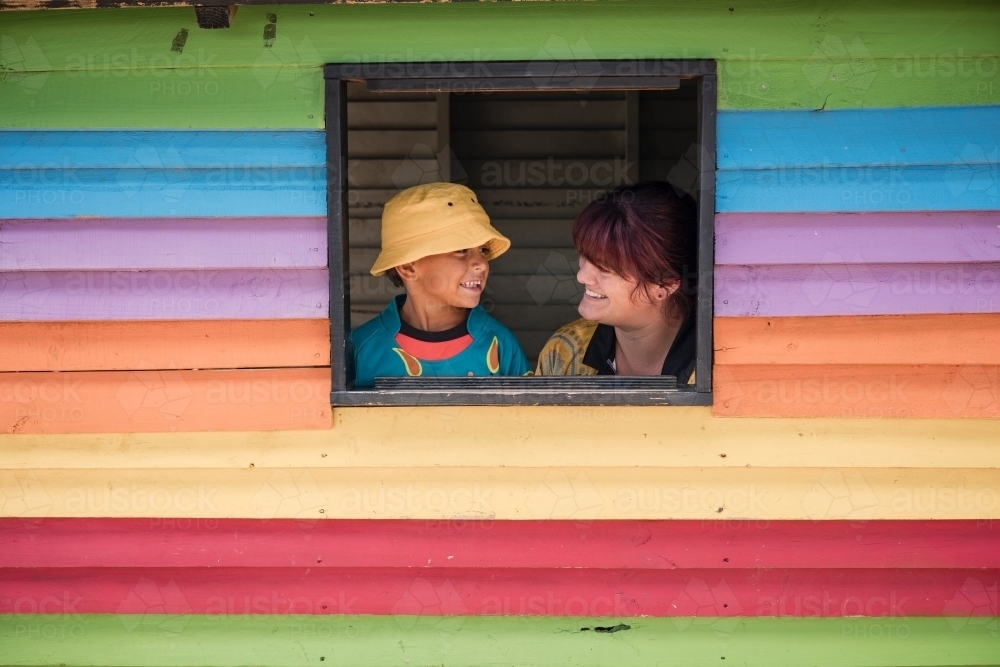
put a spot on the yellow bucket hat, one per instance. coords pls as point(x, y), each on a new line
point(432, 219)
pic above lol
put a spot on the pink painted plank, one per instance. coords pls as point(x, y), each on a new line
point(812, 238)
point(29, 296)
point(71, 244)
point(180, 542)
point(856, 289)
point(460, 592)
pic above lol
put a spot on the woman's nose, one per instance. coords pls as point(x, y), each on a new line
point(585, 274)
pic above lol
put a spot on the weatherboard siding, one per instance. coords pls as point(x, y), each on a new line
point(176, 489)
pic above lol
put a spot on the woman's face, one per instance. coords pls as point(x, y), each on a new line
point(613, 300)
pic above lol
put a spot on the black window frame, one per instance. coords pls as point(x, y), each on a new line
point(479, 76)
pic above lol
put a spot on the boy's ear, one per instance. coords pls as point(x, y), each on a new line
point(407, 271)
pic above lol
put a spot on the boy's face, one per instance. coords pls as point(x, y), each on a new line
point(455, 279)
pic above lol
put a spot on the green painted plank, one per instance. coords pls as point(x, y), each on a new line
point(225, 98)
point(352, 641)
point(846, 82)
point(95, 68)
point(749, 32)
point(234, 98)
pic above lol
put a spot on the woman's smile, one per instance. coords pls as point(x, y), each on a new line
point(592, 294)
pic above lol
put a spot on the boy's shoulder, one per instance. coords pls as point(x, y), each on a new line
point(369, 331)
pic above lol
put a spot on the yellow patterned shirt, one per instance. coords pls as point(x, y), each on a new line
point(583, 347)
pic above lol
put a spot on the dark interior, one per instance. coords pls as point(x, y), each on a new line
point(535, 159)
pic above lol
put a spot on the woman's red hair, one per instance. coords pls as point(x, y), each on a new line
point(644, 232)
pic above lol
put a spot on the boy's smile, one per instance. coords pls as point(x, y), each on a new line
point(441, 288)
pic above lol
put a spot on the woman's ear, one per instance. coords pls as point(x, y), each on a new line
point(663, 292)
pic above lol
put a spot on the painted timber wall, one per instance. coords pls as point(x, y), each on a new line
point(175, 489)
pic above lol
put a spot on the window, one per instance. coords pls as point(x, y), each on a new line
point(536, 140)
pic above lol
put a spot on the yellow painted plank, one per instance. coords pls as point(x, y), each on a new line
point(533, 437)
point(857, 494)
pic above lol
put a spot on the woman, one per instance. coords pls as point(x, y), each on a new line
point(637, 251)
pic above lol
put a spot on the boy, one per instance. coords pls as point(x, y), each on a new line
point(436, 243)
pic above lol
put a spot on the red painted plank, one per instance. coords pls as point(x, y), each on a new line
point(649, 545)
point(885, 237)
point(115, 244)
point(559, 592)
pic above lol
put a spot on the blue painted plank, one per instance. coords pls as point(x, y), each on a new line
point(907, 136)
point(28, 150)
point(138, 192)
point(967, 187)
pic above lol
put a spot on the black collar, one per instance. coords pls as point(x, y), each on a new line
point(680, 358)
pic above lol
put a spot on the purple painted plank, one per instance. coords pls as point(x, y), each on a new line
point(856, 289)
point(95, 244)
point(163, 295)
point(811, 238)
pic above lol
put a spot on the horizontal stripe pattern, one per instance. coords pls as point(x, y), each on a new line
point(185, 400)
point(34, 296)
point(74, 244)
point(858, 137)
point(842, 234)
point(853, 289)
point(857, 238)
point(163, 266)
point(851, 390)
point(897, 593)
point(160, 192)
point(859, 339)
point(549, 545)
point(25, 153)
point(428, 637)
point(460, 493)
point(954, 187)
point(163, 345)
point(851, 161)
point(474, 438)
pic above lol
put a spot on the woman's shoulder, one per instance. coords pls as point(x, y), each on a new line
point(563, 353)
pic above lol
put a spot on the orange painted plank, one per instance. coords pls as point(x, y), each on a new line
point(864, 339)
point(176, 344)
point(771, 390)
point(151, 401)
